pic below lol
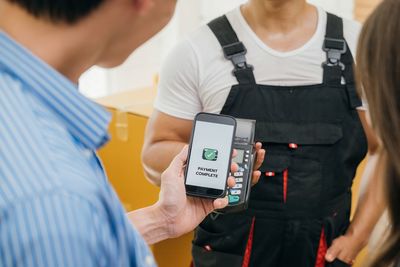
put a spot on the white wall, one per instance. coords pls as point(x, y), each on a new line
point(343, 8)
point(142, 66)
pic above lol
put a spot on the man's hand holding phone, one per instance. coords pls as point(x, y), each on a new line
point(183, 213)
point(194, 185)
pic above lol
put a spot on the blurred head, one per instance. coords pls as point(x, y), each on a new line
point(379, 73)
point(133, 23)
point(122, 24)
point(59, 11)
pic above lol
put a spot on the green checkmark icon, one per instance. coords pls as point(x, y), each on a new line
point(210, 154)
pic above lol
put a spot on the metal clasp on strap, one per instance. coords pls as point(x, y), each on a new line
point(334, 49)
point(236, 53)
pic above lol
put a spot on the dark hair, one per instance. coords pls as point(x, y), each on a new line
point(68, 11)
point(378, 71)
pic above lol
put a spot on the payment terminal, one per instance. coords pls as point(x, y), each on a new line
point(239, 195)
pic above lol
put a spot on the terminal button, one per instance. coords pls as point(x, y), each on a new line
point(235, 192)
point(233, 199)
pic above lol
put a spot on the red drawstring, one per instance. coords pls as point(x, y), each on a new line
point(285, 184)
point(249, 245)
point(322, 249)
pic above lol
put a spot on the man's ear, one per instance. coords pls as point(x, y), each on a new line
point(142, 6)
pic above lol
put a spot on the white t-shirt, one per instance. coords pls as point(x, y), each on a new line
point(196, 77)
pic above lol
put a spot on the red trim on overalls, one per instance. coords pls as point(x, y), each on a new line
point(270, 174)
point(249, 245)
point(322, 249)
point(285, 184)
point(293, 146)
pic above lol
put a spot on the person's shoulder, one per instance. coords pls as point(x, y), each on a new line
point(11, 97)
point(16, 105)
point(8, 82)
point(351, 31)
point(351, 27)
point(186, 51)
point(201, 40)
point(11, 94)
point(22, 147)
point(195, 50)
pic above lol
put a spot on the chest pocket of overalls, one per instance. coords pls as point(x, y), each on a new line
point(292, 175)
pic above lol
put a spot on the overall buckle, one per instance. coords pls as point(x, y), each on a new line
point(236, 53)
point(334, 49)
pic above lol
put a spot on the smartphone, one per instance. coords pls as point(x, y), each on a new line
point(210, 155)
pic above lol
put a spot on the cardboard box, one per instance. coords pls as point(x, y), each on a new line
point(121, 158)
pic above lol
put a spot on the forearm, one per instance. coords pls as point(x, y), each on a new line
point(371, 202)
point(156, 158)
point(150, 223)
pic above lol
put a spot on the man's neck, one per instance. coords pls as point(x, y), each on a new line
point(65, 48)
point(282, 24)
point(276, 15)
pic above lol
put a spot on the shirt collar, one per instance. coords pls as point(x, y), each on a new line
point(85, 120)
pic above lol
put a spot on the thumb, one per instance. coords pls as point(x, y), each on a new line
point(180, 160)
point(220, 203)
point(332, 252)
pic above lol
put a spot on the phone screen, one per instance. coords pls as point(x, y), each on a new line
point(210, 154)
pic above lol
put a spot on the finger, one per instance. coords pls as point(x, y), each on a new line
point(220, 203)
point(259, 159)
point(180, 160)
point(182, 156)
point(255, 178)
point(231, 181)
point(234, 167)
point(258, 146)
point(332, 252)
point(345, 258)
point(234, 153)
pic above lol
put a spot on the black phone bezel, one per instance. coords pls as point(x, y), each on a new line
point(206, 192)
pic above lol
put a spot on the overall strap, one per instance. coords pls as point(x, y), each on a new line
point(234, 50)
point(339, 61)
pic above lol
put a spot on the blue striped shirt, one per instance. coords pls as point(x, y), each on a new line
point(57, 207)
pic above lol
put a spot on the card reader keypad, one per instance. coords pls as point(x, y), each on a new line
point(236, 193)
point(239, 180)
point(239, 195)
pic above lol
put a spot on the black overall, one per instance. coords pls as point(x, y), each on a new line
point(314, 142)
